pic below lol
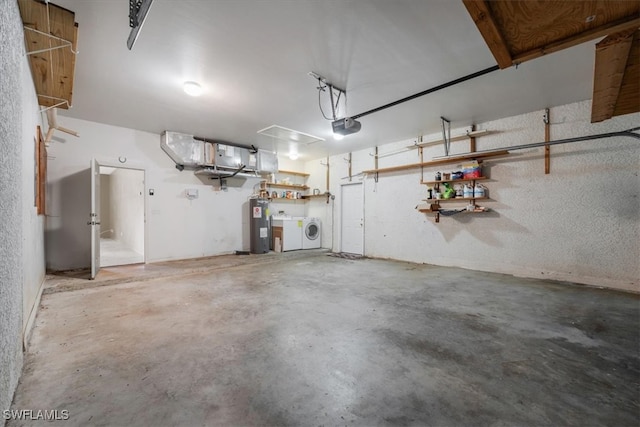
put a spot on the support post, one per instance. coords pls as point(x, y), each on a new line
point(547, 148)
point(375, 159)
point(327, 175)
point(472, 140)
point(375, 178)
point(420, 152)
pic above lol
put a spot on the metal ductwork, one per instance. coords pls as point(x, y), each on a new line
point(216, 159)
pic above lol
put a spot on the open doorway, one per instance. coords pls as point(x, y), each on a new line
point(121, 216)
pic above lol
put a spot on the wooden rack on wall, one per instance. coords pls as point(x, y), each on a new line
point(434, 206)
point(443, 161)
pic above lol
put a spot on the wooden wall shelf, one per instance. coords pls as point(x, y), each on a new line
point(316, 196)
point(454, 199)
point(285, 200)
point(293, 173)
point(472, 134)
point(425, 210)
point(480, 178)
point(290, 186)
point(444, 161)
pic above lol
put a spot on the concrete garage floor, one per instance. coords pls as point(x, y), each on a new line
point(307, 339)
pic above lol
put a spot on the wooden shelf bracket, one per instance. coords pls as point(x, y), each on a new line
point(446, 134)
point(547, 150)
point(375, 178)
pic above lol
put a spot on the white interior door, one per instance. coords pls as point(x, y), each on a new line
point(94, 218)
point(352, 218)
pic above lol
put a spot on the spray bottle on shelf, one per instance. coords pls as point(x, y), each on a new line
point(448, 192)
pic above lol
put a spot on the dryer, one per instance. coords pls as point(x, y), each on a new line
point(311, 233)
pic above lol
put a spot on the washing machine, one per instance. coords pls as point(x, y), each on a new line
point(311, 233)
point(289, 229)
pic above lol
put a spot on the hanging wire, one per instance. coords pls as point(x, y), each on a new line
point(335, 107)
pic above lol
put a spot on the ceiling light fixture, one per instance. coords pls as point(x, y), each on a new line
point(338, 137)
point(192, 88)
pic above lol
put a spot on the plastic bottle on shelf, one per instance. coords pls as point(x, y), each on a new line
point(467, 191)
point(449, 192)
point(459, 190)
point(479, 191)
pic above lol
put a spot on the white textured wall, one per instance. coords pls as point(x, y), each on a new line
point(21, 244)
point(177, 228)
point(127, 207)
point(33, 263)
point(581, 223)
point(11, 140)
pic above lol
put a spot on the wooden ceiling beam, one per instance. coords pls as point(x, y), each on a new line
point(612, 55)
point(481, 15)
point(629, 96)
point(623, 24)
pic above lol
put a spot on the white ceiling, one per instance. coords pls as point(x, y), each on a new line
point(252, 57)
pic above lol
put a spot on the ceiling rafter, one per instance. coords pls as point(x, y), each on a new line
point(519, 31)
point(629, 96)
point(592, 34)
point(481, 15)
point(612, 55)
